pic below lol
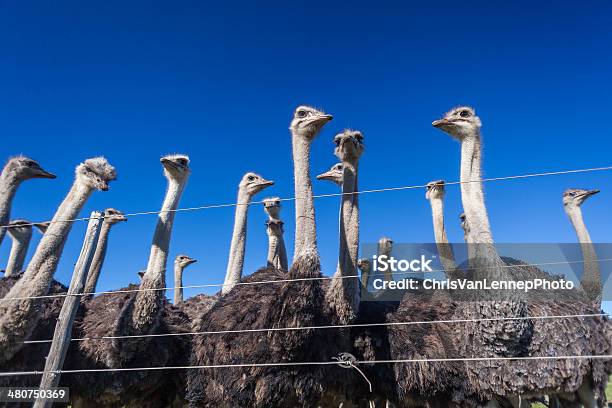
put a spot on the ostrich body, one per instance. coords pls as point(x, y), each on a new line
point(435, 196)
point(17, 170)
point(18, 317)
point(342, 295)
point(20, 232)
point(285, 304)
point(277, 252)
point(133, 314)
point(591, 275)
point(180, 263)
point(111, 217)
point(250, 185)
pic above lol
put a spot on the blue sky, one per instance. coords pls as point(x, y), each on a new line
point(135, 80)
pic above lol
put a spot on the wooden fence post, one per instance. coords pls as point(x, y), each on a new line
point(63, 328)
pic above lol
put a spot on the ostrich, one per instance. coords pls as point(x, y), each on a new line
point(19, 317)
point(111, 217)
point(297, 303)
point(342, 295)
point(519, 337)
point(365, 266)
point(133, 314)
point(591, 276)
point(20, 232)
point(385, 247)
point(250, 185)
point(277, 252)
point(464, 226)
point(435, 195)
point(17, 169)
point(180, 263)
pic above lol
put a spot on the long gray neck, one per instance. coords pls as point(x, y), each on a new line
point(484, 259)
point(476, 191)
point(305, 228)
point(591, 275)
point(178, 283)
point(235, 263)
point(18, 318)
point(149, 303)
point(343, 293)
point(447, 258)
point(19, 249)
point(8, 187)
point(98, 259)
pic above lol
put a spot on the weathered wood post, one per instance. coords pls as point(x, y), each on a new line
point(63, 328)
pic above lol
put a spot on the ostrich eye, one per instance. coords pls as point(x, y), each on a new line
point(251, 178)
point(572, 194)
point(302, 114)
point(465, 114)
point(337, 141)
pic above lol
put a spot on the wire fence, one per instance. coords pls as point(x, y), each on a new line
point(321, 278)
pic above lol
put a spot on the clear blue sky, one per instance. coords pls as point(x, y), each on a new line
point(219, 82)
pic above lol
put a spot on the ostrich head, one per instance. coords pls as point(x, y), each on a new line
point(385, 245)
point(308, 121)
point(272, 206)
point(24, 168)
point(184, 261)
point(253, 183)
point(20, 229)
point(113, 216)
point(335, 174)
point(176, 166)
point(459, 122)
point(96, 173)
point(435, 190)
point(574, 197)
point(42, 226)
point(349, 145)
point(364, 265)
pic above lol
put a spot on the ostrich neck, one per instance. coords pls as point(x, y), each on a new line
point(445, 251)
point(235, 263)
point(19, 249)
point(18, 318)
point(148, 303)
point(8, 187)
point(178, 284)
point(305, 229)
point(98, 259)
point(343, 293)
point(591, 275)
point(477, 191)
point(482, 253)
point(273, 248)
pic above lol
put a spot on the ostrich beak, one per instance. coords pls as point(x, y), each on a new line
point(323, 118)
point(191, 260)
point(328, 175)
point(266, 183)
point(591, 192)
point(440, 123)
point(42, 173)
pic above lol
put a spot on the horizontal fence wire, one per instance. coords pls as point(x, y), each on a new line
point(337, 326)
point(310, 363)
point(270, 281)
point(379, 190)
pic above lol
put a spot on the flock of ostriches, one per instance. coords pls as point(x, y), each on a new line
point(475, 352)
